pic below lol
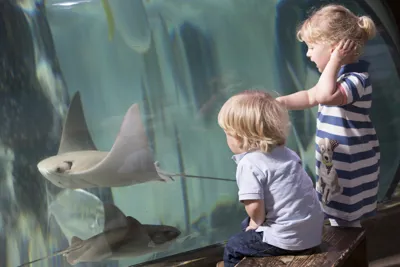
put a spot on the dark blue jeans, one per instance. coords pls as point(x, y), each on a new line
point(250, 244)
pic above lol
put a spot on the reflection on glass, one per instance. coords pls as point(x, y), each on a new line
point(122, 236)
point(179, 61)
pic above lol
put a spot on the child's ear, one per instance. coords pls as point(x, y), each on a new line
point(239, 140)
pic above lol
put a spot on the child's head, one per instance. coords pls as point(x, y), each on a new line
point(327, 26)
point(254, 120)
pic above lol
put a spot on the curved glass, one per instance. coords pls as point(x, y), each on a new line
point(93, 93)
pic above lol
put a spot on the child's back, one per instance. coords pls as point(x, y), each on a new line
point(294, 217)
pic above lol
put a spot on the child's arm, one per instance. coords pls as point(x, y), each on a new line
point(251, 182)
point(256, 211)
point(327, 92)
point(299, 100)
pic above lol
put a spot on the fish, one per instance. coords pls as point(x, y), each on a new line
point(78, 164)
point(131, 240)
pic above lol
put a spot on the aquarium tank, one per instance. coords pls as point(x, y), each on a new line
point(110, 151)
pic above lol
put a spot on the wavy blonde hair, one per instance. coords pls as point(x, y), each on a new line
point(256, 120)
point(333, 23)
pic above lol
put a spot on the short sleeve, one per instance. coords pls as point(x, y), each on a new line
point(249, 181)
point(352, 87)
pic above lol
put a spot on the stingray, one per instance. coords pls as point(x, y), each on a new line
point(78, 163)
point(131, 240)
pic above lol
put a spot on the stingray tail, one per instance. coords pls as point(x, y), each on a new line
point(203, 177)
point(43, 258)
point(164, 176)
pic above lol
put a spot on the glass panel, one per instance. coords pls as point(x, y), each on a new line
point(179, 61)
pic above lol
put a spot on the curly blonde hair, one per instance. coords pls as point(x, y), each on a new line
point(333, 23)
point(256, 120)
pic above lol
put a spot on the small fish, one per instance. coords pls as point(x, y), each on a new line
point(79, 164)
point(134, 239)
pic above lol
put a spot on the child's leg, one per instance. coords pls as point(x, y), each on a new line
point(343, 223)
point(249, 244)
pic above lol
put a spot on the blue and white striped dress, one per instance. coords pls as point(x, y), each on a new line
point(356, 154)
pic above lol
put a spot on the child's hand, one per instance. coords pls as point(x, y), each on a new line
point(252, 226)
point(343, 50)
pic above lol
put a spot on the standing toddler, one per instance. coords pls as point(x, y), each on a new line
point(347, 147)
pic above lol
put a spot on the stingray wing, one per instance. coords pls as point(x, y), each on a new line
point(75, 135)
point(130, 160)
point(113, 217)
point(101, 246)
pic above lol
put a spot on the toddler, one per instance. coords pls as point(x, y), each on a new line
point(347, 147)
point(284, 215)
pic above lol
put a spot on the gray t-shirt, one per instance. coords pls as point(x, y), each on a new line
point(294, 218)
